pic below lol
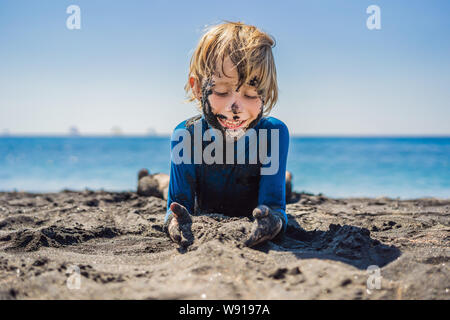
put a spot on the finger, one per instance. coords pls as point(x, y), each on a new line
point(251, 239)
point(256, 238)
point(264, 229)
point(184, 241)
point(178, 210)
point(261, 211)
point(255, 235)
point(180, 233)
point(249, 242)
point(174, 231)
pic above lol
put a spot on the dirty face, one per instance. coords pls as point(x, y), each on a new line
point(228, 107)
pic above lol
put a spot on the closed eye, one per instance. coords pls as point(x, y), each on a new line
point(224, 94)
point(221, 94)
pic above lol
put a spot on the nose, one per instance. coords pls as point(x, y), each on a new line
point(235, 107)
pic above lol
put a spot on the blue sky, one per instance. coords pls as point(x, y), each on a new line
point(127, 65)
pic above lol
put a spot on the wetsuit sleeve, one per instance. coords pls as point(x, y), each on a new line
point(182, 172)
point(272, 186)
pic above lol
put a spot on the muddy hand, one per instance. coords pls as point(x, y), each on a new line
point(180, 226)
point(266, 226)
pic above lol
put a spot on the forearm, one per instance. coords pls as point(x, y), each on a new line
point(182, 178)
point(272, 189)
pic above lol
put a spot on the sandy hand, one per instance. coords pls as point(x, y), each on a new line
point(180, 226)
point(266, 226)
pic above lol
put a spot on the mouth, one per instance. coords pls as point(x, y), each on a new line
point(232, 124)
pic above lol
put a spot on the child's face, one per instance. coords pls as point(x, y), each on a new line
point(228, 108)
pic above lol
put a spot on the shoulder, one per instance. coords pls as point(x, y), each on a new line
point(273, 123)
point(188, 123)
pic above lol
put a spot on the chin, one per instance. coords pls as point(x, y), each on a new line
point(234, 135)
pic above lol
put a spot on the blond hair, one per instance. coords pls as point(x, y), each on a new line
point(249, 49)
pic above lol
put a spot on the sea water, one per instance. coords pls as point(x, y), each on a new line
point(402, 167)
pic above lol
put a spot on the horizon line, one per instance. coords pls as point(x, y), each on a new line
point(161, 135)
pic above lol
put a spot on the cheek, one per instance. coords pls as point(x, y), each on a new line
point(251, 107)
point(254, 108)
point(218, 104)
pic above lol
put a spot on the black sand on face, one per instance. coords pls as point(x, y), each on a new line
point(117, 244)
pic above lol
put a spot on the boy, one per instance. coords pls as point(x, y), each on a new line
point(233, 79)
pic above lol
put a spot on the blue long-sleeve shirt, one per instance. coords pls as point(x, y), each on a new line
point(231, 189)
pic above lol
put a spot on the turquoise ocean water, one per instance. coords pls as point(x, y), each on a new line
point(334, 166)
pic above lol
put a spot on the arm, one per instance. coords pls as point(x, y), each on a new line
point(182, 173)
point(272, 187)
point(270, 215)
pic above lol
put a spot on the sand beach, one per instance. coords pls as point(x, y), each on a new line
point(111, 245)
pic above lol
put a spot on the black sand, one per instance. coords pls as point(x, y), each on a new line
point(117, 243)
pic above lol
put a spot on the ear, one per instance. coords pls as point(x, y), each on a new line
point(195, 85)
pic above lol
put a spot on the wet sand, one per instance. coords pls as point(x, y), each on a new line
point(116, 242)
